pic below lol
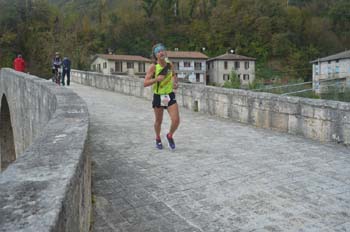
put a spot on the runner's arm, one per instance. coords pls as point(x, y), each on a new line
point(149, 80)
point(174, 77)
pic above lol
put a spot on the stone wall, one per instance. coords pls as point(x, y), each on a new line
point(320, 120)
point(48, 186)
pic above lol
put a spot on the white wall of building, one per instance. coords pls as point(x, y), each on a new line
point(217, 70)
point(331, 69)
point(100, 65)
point(325, 73)
point(190, 73)
point(108, 67)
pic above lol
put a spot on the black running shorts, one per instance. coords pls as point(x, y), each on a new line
point(156, 100)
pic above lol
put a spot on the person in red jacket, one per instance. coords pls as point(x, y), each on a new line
point(19, 64)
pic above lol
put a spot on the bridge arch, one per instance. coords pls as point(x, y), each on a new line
point(7, 145)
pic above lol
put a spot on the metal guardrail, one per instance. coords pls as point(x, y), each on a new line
point(281, 87)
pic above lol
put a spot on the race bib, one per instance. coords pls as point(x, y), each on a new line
point(164, 100)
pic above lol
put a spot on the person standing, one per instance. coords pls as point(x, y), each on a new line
point(162, 78)
point(19, 64)
point(66, 70)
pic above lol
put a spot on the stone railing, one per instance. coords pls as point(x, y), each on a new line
point(48, 186)
point(321, 120)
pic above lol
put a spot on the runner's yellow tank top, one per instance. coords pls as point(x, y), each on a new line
point(166, 85)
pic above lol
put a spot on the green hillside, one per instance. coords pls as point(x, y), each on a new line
point(283, 35)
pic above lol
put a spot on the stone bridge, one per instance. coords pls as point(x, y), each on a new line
point(244, 161)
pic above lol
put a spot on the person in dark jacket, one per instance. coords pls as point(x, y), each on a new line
point(66, 70)
point(19, 64)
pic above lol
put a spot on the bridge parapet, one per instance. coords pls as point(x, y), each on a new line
point(321, 120)
point(48, 187)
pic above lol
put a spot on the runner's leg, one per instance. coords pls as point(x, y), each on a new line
point(158, 113)
point(173, 111)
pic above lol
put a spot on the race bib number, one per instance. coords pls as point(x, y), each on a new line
point(164, 100)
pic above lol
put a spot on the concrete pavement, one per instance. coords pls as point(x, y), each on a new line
point(223, 176)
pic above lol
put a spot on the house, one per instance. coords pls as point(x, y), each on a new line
point(219, 68)
point(190, 66)
point(330, 71)
point(120, 64)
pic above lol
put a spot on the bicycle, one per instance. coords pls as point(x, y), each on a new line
point(57, 75)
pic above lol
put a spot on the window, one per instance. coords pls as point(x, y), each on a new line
point(99, 67)
point(225, 77)
point(337, 69)
point(236, 64)
point(176, 65)
point(198, 66)
point(246, 65)
point(118, 66)
point(142, 67)
point(329, 70)
point(187, 64)
point(225, 65)
point(246, 77)
point(130, 65)
point(104, 65)
point(316, 69)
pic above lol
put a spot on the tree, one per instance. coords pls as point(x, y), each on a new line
point(148, 6)
point(234, 82)
point(276, 34)
point(280, 45)
point(340, 17)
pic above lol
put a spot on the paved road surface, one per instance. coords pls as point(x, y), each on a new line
point(223, 176)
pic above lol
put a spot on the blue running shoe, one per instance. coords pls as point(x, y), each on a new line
point(171, 142)
point(159, 144)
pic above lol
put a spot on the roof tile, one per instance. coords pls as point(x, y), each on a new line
point(186, 54)
point(337, 56)
point(229, 56)
point(122, 57)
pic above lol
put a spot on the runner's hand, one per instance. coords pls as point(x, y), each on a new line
point(160, 78)
point(175, 85)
